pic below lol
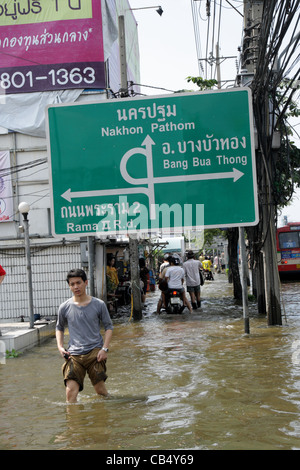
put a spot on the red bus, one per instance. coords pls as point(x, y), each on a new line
point(288, 248)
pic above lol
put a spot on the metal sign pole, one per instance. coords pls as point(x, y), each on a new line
point(244, 280)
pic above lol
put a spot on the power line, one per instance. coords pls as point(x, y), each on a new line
point(208, 31)
point(23, 167)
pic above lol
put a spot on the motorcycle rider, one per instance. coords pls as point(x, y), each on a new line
point(206, 264)
point(162, 284)
point(175, 278)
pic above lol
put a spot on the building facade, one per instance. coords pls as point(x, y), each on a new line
point(24, 171)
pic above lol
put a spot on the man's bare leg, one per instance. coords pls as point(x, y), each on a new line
point(186, 302)
point(72, 390)
point(101, 388)
point(193, 298)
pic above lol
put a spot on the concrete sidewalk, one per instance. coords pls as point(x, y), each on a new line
point(19, 336)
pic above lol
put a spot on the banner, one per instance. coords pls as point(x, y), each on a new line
point(6, 194)
point(50, 45)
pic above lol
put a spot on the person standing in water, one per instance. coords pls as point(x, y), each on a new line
point(87, 350)
point(192, 269)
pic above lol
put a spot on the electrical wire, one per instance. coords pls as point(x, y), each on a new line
point(154, 87)
point(270, 107)
point(209, 28)
point(25, 166)
point(196, 33)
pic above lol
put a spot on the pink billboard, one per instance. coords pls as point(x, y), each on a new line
point(50, 45)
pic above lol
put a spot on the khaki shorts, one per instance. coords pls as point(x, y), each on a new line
point(76, 367)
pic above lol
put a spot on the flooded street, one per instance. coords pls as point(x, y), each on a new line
point(194, 381)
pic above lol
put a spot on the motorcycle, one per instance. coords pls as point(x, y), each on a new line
point(174, 302)
point(208, 275)
point(123, 291)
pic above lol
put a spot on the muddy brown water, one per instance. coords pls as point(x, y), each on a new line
point(194, 381)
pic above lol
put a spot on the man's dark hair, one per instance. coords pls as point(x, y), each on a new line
point(76, 273)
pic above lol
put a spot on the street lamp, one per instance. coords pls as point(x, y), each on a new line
point(159, 9)
point(24, 208)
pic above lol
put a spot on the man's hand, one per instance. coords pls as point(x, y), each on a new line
point(65, 354)
point(102, 355)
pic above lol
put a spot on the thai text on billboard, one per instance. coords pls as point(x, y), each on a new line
point(50, 45)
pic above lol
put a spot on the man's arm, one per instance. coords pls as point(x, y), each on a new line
point(60, 342)
point(1, 278)
point(107, 338)
point(102, 355)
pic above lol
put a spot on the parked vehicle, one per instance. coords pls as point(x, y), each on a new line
point(123, 291)
point(174, 301)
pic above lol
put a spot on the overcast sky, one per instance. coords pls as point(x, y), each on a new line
point(167, 42)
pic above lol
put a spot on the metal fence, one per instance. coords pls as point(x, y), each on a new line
point(50, 265)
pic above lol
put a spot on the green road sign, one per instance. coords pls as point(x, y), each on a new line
point(144, 164)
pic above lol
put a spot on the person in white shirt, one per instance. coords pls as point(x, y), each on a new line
point(192, 270)
point(175, 278)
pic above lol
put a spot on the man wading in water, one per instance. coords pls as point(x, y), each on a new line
point(87, 352)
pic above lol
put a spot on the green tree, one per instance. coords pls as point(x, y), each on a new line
point(202, 83)
point(287, 160)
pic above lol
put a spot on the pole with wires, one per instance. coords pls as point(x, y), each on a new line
point(133, 241)
point(266, 24)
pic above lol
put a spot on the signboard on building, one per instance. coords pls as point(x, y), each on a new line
point(144, 164)
point(51, 45)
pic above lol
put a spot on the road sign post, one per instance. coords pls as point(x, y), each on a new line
point(145, 164)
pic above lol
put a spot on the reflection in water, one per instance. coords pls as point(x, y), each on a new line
point(187, 382)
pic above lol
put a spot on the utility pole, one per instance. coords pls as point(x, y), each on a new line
point(123, 59)
point(218, 65)
point(252, 22)
point(91, 261)
point(253, 10)
point(244, 280)
point(135, 278)
point(133, 241)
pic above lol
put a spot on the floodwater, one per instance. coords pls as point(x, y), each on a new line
point(194, 381)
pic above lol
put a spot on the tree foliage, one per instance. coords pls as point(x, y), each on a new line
point(202, 83)
point(287, 163)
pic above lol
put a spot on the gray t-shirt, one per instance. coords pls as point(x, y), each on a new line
point(84, 324)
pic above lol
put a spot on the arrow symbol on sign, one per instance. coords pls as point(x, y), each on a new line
point(150, 180)
point(234, 174)
point(69, 195)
